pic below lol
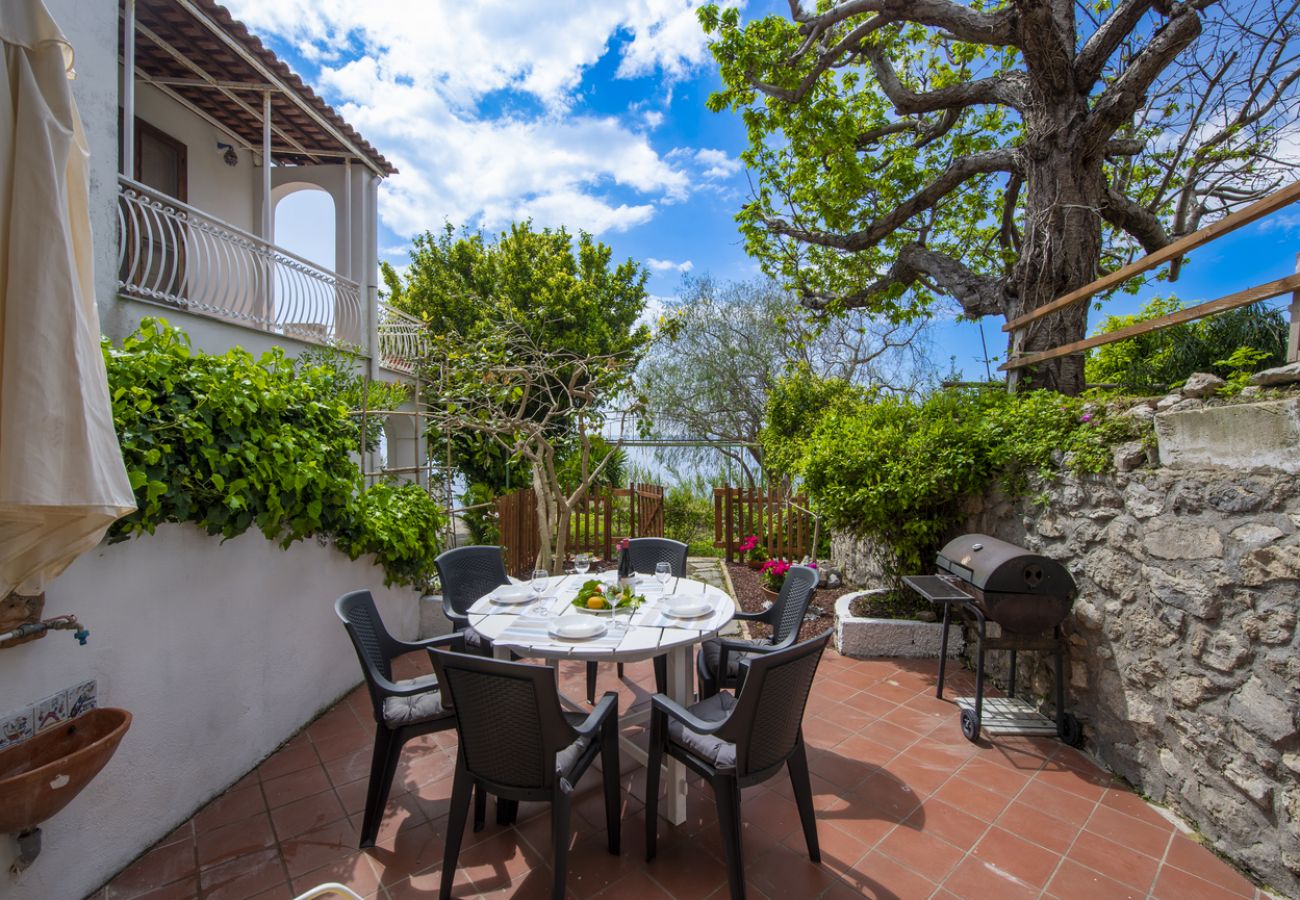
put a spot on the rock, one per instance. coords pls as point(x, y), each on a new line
point(1189, 691)
point(1272, 627)
point(1251, 783)
point(1129, 456)
point(1184, 542)
point(1168, 401)
point(1270, 563)
point(1256, 533)
point(1143, 413)
point(1235, 498)
point(1195, 593)
point(1202, 385)
point(1251, 390)
point(1188, 404)
point(1288, 374)
point(1257, 709)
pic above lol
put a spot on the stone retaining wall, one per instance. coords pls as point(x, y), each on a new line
point(1185, 656)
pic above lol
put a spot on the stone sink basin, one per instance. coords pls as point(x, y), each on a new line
point(41, 775)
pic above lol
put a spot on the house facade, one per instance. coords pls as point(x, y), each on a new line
point(197, 133)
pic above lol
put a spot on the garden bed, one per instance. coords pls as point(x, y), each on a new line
point(862, 637)
point(751, 598)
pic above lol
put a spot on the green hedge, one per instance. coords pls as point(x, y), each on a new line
point(896, 470)
point(229, 443)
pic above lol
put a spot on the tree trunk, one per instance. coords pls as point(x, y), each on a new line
point(561, 540)
point(1061, 252)
point(545, 517)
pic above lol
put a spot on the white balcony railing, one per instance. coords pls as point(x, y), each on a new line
point(402, 342)
point(173, 254)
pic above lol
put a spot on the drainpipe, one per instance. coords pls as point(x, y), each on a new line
point(128, 89)
point(1293, 344)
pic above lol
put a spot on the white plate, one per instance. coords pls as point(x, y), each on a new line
point(577, 628)
point(686, 607)
point(512, 596)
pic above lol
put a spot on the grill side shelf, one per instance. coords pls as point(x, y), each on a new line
point(937, 589)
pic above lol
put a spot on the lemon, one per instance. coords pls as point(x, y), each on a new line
point(595, 602)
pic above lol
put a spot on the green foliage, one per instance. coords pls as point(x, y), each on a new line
point(896, 471)
point(230, 443)
point(688, 516)
point(400, 524)
point(564, 294)
point(796, 403)
point(348, 386)
point(1162, 359)
point(482, 523)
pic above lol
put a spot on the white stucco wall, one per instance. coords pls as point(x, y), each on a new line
point(219, 651)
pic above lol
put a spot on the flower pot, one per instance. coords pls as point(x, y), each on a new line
point(861, 638)
point(771, 594)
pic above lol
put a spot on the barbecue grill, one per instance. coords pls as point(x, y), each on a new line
point(1028, 596)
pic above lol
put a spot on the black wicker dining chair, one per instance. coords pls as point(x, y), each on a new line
point(645, 554)
point(735, 742)
point(518, 744)
point(403, 708)
point(718, 662)
point(466, 574)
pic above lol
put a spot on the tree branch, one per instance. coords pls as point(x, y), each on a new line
point(960, 21)
point(1121, 99)
point(959, 171)
point(979, 295)
point(1145, 227)
point(1010, 89)
point(1090, 62)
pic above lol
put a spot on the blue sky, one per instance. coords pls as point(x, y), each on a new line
point(590, 116)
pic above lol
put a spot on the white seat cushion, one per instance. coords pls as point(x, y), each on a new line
point(415, 708)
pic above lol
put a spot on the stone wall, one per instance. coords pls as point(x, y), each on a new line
point(1185, 656)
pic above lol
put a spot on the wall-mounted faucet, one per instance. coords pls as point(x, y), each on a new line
point(58, 623)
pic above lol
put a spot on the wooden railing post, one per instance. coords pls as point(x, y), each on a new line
point(1293, 343)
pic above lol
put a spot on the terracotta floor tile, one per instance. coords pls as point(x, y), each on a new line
point(425, 886)
point(295, 786)
point(1121, 799)
point(351, 869)
point(881, 877)
point(185, 889)
point(639, 885)
point(1025, 862)
point(344, 742)
point(773, 813)
point(292, 757)
point(976, 879)
point(245, 876)
point(869, 704)
point(916, 720)
point(820, 732)
point(923, 780)
point(237, 839)
point(883, 731)
point(161, 866)
point(787, 873)
point(972, 799)
point(303, 815)
point(888, 797)
point(944, 821)
point(1174, 884)
point(1068, 779)
point(1108, 858)
point(232, 806)
point(1037, 827)
point(1062, 805)
point(1073, 881)
point(921, 852)
point(1152, 840)
point(315, 848)
point(1191, 857)
point(999, 779)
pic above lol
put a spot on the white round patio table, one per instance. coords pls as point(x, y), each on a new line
point(524, 629)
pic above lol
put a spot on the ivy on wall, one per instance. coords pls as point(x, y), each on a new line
point(228, 443)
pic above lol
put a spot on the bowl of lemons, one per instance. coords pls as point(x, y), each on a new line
point(597, 598)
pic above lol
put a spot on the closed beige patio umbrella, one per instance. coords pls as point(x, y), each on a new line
point(62, 481)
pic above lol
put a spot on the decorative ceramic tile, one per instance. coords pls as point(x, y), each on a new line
point(51, 711)
point(16, 727)
point(82, 698)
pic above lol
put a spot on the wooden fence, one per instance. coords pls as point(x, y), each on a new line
point(783, 524)
point(1174, 251)
point(601, 520)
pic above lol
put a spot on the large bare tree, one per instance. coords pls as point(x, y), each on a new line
point(1000, 154)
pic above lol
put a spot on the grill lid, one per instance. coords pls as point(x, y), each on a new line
point(1001, 567)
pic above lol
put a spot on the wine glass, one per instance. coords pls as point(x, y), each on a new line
point(663, 571)
point(582, 563)
point(538, 582)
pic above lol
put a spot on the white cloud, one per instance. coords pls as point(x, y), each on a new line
point(655, 307)
point(667, 265)
point(716, 164)
point(411, 77)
